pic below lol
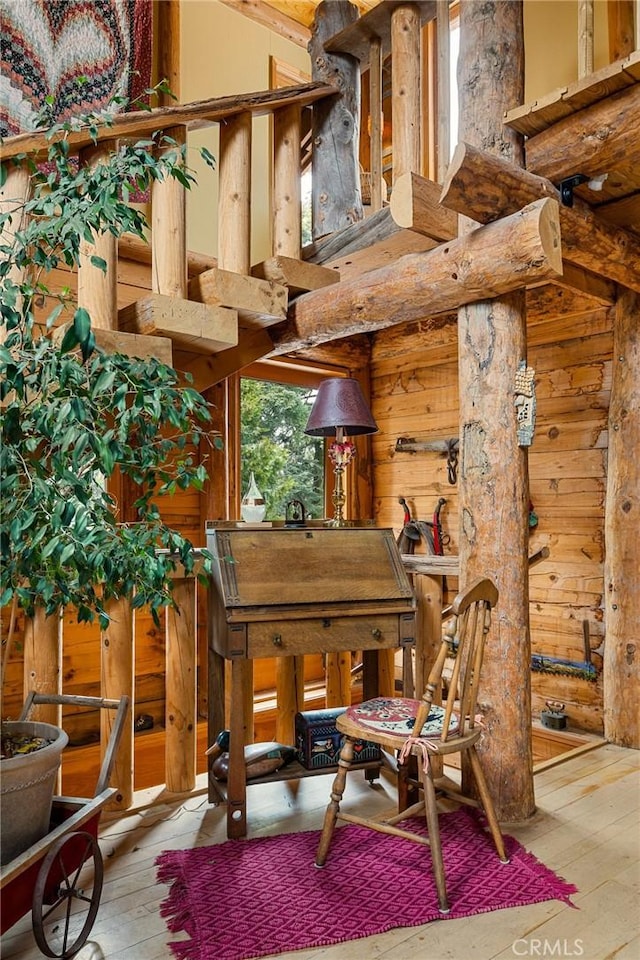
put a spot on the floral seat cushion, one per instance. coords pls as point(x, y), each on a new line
point(396, 716)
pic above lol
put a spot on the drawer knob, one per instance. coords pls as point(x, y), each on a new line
point(277, 640)
point(376, 633)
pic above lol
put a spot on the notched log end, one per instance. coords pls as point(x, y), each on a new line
point(549, 225)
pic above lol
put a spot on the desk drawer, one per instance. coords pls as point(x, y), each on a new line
point(287, 637)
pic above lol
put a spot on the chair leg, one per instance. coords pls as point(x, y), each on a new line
point(337, 790)
point(433, 826)
point(487, 805)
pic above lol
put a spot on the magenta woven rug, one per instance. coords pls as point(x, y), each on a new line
point(252, 898)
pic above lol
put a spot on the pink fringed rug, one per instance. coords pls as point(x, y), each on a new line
point(252, 898)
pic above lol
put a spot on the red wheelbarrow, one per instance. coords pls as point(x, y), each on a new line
point(59, 878)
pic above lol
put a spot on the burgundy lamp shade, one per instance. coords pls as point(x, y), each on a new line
point(340, 403)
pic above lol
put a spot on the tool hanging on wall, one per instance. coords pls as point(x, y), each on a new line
point(449, 447)
point(429, 531)
point(564, 668)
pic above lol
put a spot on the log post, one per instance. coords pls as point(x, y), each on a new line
point(443, 41)
point(287, 225)
point(335, 195)
point(585, 38)
point(42, 662)
point(621, 30)
point(405, 89)
point(375, 120)
point(289, 696)
point(117, 680)
point(169, 226)
point(493, 484)
point(97, 288)
point(338, 679)
point(180, 703)
point(621, 667)
point(234, 202)
point(13, 196)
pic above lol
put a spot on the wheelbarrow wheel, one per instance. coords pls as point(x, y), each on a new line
point(67, 893)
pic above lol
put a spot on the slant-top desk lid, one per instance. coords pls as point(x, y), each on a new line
point(261, 573)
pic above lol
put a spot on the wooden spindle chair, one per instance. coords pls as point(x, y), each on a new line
point(428, 731)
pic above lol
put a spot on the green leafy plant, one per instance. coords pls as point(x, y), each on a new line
point(72, 415)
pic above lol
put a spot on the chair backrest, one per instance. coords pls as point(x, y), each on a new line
point(463, 641)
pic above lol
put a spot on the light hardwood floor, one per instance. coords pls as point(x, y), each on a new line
point(586, 828)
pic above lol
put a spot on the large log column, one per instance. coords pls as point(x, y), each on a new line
point(335, 198)
point(622, 521)
point(494, 486)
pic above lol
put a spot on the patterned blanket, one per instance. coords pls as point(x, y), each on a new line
point(46, 45)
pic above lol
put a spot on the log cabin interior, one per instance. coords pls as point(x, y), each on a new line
point(476, 268)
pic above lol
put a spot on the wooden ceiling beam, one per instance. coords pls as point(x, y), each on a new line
point(484, 187)
point(208, 370)
point(485, 263)
point(273, 19)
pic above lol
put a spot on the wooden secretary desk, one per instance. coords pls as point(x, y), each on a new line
point(286, 592)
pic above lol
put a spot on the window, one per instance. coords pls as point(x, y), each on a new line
point(287, 464)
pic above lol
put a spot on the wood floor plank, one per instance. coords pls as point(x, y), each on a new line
point(585, 827)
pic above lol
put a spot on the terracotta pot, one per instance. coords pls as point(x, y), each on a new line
point(26, 787)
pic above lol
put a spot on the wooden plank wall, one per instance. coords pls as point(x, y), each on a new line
point(414, 390)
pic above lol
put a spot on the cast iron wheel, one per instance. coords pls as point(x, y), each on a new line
point(67, 910)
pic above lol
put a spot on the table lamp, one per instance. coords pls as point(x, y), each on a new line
point(340, 411)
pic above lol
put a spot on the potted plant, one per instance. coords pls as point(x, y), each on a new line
point(71, 415)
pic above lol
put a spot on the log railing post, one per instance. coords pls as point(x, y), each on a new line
point(181, 692)
point(405, 89)
point(585, 38)
point(375, 120)
point(117, 680)
point(169, 229)
point(234, 201)
point(289, 696)
point(42, 662)
point(97, 288)
point(444, 89)
point(287, 225)
point(13, 195)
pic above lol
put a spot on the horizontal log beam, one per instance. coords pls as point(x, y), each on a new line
point(139, 251)
point(189, 325)
point(482, 265)
point(273, 19)
point(485, 187)
point(260, 303)
point(129, 344)
point(608, 134)
point(201, 113)
point(297, 275)
point(415, 205)
point(207, 371)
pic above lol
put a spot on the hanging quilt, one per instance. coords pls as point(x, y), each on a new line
point(46, 45)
